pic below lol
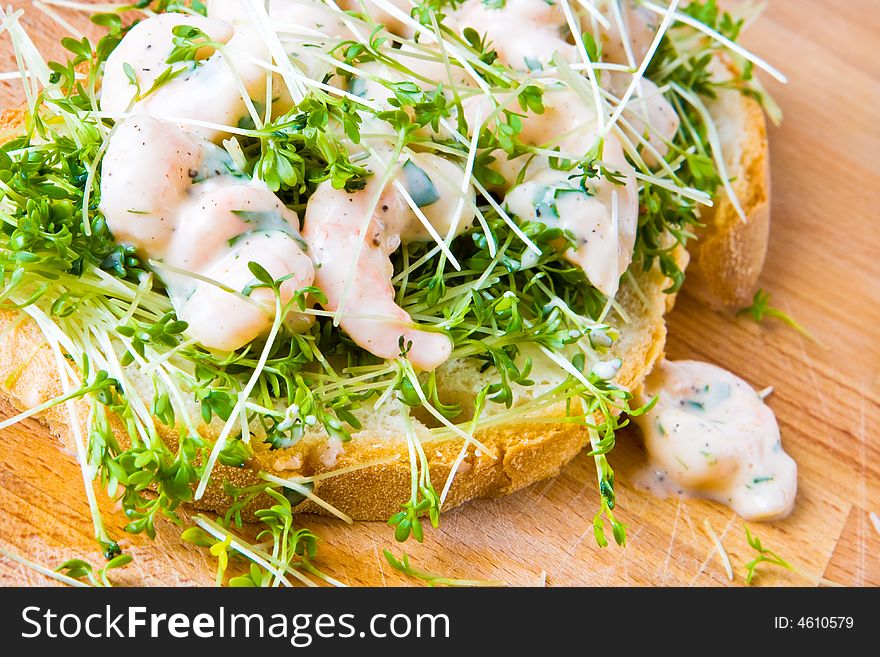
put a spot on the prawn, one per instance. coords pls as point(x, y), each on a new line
point(212, 91)
point(601, 212)
point(195, 214)
point(332, 229)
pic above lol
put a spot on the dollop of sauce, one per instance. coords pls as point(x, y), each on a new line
point(711, 435)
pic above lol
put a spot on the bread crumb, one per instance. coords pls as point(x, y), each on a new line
point(331, 452)
point(293, 462)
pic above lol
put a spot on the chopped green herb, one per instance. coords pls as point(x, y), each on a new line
point(419, 184)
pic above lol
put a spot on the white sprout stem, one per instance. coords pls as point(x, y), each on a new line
point(36, 410)
point(183, 121)
point(766, 392)
point(242, 398)
point(58, 19)
point(115, 366)
point(687, 192)
point(30, 79)
point(466, 178)
point(329, 313)
point(34, 70)
point(658, 37)
point(302, 490)
point(719, 547)
point(89, 7)
point(569, 368)
point(364, 225)
point(317, 573)
point(140, 409)
point(229, 58)
point(494, 204)
point(875, 521)
point(456, 464)
point(50, 331)
point(595, 13)
point(420, 215)
point(144, 285)
point(390, 387)
point(637, 289)
point(156, 264)
point(338, 472)
point(715, 145)
point(277, 566)
point(411, 451)
point(527, 412)
point(594, 442)
point(347, 20)
point(90, 179)
point(468, 438)
point(14, 75)
point(720, 38)
point(429, 35)
point(239, 546)
point(624, 33)
point(582, 50)
point(619, 309)
point(506, 218)
point(310, 82)
point(33, 565)
point(257, 10)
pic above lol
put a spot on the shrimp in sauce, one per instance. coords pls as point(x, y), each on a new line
point(195, 213)
point(369, 312)
point(600, 212)
point(210, 92)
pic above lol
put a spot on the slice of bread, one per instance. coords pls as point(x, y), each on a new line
point(523, 451)
point(729, 254)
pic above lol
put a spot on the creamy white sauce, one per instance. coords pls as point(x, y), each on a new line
point(524, 33)
point(225, 224)
point(145, 48)
point(648, 117)
point(711, 435)
point(221, 320)
point(392, 21)
point(300, 25)
point(140, 208)
point(639, 26)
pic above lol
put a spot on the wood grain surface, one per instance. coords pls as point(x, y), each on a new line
point(823, 268)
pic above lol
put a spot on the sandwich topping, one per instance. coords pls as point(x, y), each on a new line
point(196, 217)
point(711, 434)
point(260, 224)
point(351, 235)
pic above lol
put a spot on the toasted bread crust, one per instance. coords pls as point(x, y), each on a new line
point(729, 252)
point(523, 452)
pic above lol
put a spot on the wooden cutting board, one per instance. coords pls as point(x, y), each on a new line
point(822, 268)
